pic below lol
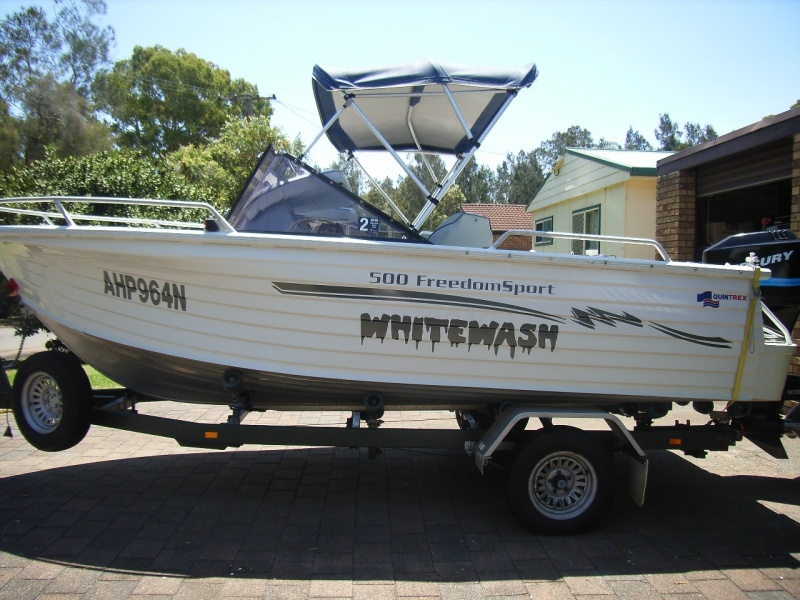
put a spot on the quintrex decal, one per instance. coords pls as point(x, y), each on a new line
point(459, 331)
point(712, 299)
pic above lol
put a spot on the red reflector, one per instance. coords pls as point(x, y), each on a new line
point(675, 441)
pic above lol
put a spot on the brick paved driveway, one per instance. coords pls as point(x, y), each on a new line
point(124, 515)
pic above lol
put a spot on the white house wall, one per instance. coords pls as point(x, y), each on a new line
point(576, 177)
point(640, 214)
point(627, 205)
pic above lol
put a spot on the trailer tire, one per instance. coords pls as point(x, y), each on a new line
point(561, 481)
point(52, 401)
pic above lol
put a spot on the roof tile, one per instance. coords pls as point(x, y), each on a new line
point(502, 216)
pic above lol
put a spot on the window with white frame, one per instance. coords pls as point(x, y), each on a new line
point(587, 221)
point(545, 224)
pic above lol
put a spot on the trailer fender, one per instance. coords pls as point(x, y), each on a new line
point(496, 434)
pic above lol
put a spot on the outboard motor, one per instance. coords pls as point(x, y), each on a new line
point(778, 251)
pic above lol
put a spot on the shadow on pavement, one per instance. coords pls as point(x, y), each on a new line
point(408, 515)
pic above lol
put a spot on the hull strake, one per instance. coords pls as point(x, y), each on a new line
point(174, 378)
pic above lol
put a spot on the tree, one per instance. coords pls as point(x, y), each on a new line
point(409, 197)
point(518, 178)
point(223, 165)
point(670, 136)
point(574, 137)
point(87, 45)
point(58, 116)
point(477, 183)
point(9, 139)
point(604, 144)
point(695, 134)
point(160, 100)
point(636, 141)
point(46, 70)
point(668, 133)
point(351, 171)
point(374, 197)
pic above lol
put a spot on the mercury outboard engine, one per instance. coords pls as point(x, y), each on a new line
point(777, 250)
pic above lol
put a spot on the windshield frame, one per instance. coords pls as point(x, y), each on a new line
point(270, 186)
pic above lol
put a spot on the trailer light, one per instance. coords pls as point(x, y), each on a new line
point(675, 441)
point(211, 435)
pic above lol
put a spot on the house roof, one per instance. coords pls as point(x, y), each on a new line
point(570, 175)
point(765, 131)
point(502, 217)
point(639, 163)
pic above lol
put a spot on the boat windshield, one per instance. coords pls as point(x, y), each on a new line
point(286, 196)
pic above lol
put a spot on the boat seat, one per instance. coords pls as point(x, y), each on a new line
point(463, 229)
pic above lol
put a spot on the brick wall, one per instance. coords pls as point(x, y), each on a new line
point(675, 214)
point(515, 242)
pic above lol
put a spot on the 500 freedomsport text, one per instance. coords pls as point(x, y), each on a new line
point(424, 281)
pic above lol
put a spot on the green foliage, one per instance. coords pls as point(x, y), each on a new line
point(574, 137)
point(450, 204)
point(519, 177)
point(355, 178)
point(636, 141)
point(119, 174)
point(695, 134)
point(669, 134)
point(477, 182)
point(409, 198)
point(375, 198)
point(57, 116)
point(160, 100)
point(46, 71)
point(222, 166)
point(9, 139)
point(96, 379)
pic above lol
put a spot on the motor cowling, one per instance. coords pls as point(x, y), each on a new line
point(777, 250)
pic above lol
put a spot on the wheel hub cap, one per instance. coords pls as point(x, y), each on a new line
point(562, 485)
point(42, 403)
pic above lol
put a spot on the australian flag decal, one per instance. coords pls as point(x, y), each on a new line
point(707, 300)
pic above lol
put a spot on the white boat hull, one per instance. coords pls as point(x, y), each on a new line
point(314, 322)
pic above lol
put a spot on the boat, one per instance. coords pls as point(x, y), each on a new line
point(317, 299)
point(306, 297)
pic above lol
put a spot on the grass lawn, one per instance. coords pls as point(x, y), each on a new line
point(97, 380)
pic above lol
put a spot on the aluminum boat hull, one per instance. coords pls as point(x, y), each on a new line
point(319, 323)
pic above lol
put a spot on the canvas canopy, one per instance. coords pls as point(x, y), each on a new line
point(411, 105)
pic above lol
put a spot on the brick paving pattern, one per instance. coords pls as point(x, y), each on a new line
point(128, 516)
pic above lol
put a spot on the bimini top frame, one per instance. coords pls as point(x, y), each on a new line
point(424, 107)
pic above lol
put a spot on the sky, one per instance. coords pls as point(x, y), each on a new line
point(604, 65)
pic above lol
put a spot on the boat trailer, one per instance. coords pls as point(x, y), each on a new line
point(560, 478)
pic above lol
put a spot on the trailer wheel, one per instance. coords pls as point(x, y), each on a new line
point(52, 401)
point(561, 481)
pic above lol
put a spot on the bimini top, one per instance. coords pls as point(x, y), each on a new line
point(412, 105)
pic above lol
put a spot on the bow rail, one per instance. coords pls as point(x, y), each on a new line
point(51, 217)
